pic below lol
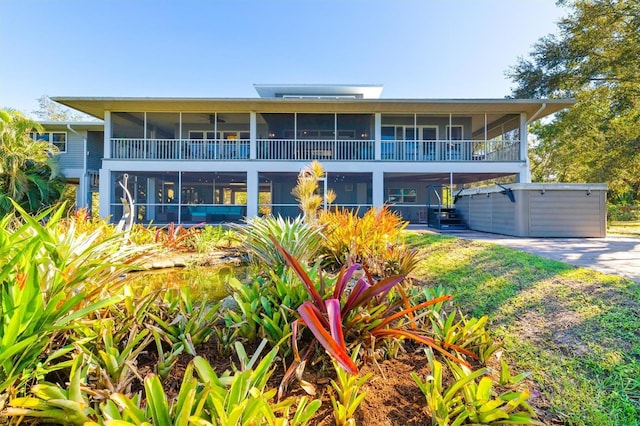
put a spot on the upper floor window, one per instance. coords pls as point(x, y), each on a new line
point(455, 133)
point(59, 139)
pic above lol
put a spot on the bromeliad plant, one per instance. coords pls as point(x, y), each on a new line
point(301, 239)
point(361, 315)
point(348, 394)
point(183, 323)
point(471, 334)
point(50, 278)
point(372, 239)
point(469, 401)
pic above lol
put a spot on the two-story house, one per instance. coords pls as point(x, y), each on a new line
point(193, 160)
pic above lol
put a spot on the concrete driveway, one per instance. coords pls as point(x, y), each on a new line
point(610, 255)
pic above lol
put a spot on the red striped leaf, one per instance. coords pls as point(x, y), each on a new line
point(370, 292)
point(412, 309)
point(343, 279)
point(335, 322)
point(302, 274)
point(332, 347)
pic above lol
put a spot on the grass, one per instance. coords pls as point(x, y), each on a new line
point(626, 228)
point(576, 330)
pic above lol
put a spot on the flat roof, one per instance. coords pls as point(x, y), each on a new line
point(96, 106)
point(356, 91)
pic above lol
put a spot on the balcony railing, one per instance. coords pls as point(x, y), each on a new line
point(179, 149)
point(93, 177)
point(287, 149)
point(306, 150)
point(458, 150)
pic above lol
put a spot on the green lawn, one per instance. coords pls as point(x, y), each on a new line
point(576, 330)
point(631, 229)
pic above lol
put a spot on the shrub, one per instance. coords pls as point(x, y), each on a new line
point(210, 237)
point(48, 279)
point(466, 401)
point(306, 191)
point(361, 314)
point(374, 240)
point(295, 235)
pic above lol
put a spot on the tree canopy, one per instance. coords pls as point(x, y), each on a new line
point(52, 111)
point(594, 58)
point(27, 168)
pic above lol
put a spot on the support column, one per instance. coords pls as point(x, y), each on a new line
point(105, 191)
point(525, 175)
point(107, 134)
point(81, 192)
point(252, 135)
point(252, 193)
point(152, 193)
point(377, 149)
point(377, 180)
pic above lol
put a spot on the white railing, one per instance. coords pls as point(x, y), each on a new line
point(179, 149)
point(93, 177)
point(459, 150)
point(306, 150)
point(287, 149)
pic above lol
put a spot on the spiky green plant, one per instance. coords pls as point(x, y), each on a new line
point(241, 398)
point(348, 393)
point(469, 401)
point(53, 404)
point(183, 322)
point(49, 278)
point(295, 235)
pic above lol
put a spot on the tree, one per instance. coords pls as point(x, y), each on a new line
point(27, 168)
point(52, 111)
point(595, 58)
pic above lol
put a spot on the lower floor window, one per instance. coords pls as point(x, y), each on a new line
point(401, 195)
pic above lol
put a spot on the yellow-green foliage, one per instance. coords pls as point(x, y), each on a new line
point(306, 191)
point(373, 239)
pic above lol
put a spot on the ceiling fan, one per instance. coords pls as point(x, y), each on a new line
point(213, 119)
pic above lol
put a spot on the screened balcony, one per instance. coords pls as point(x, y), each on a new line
point(312, 136)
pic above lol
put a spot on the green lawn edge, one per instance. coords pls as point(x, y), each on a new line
point(575, 329)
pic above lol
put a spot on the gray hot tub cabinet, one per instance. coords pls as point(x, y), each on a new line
point(539, 209)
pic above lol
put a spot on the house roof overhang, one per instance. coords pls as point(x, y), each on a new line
point(76, 125)
point(536, 108)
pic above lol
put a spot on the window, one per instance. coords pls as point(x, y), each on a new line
point(202, 134)
point(402, 196)
point(58, 139)
point(454, 133)
point(454, 150)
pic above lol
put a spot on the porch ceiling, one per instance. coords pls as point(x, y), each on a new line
point(443, 178)
point(96, 106)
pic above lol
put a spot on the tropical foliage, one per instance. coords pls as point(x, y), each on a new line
point(27, 169)
point(82, 343)
point(49, 279)
point(594, 58)
point(469, 401)
point(298, 237)
point(373, 239)
point(308, 193)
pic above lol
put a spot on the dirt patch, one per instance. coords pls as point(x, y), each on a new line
point(392, 397)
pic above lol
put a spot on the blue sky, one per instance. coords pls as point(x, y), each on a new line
point(417, 49)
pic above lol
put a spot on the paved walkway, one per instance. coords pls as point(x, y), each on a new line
point(610, 255)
